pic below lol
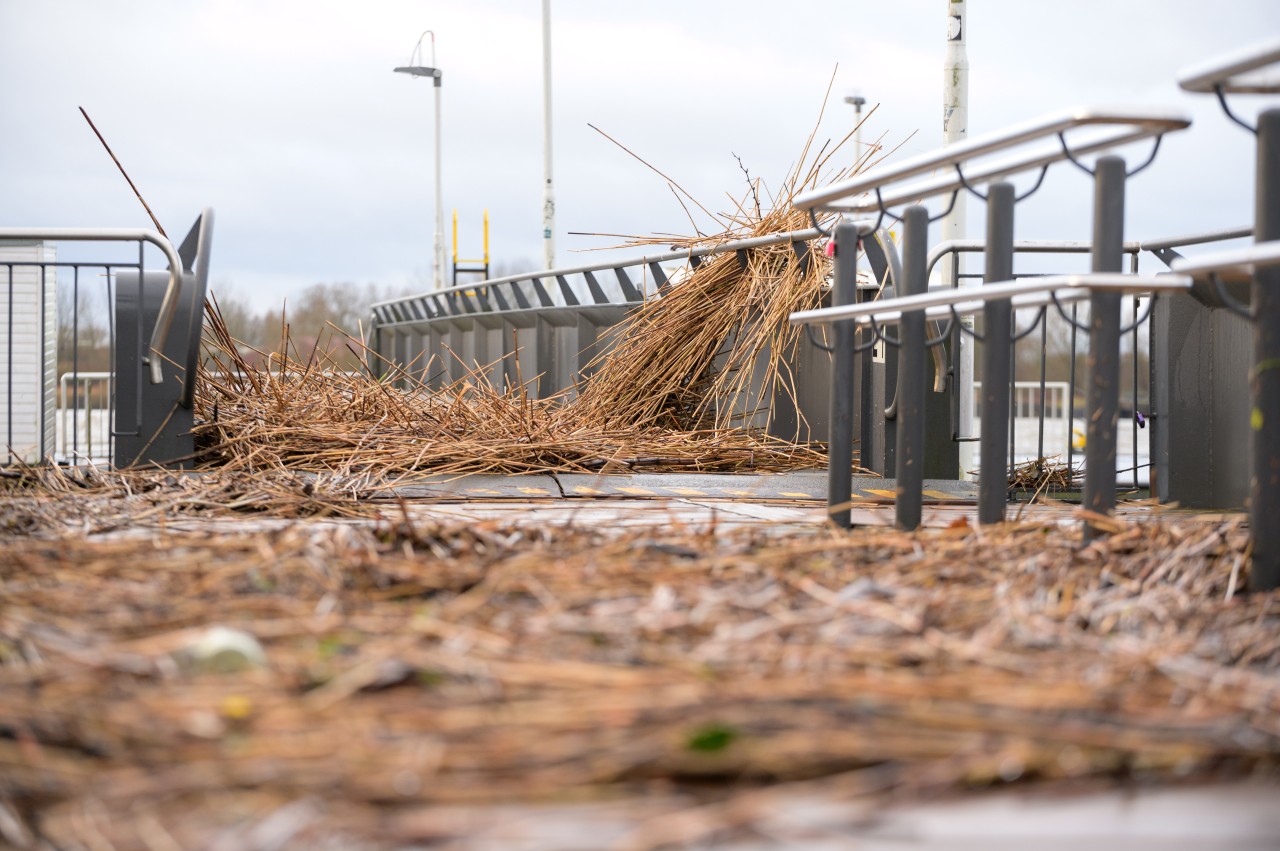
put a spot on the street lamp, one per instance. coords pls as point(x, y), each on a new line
point(858, 101)
point(434, 73)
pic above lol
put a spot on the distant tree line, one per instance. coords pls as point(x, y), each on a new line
point(325, 319)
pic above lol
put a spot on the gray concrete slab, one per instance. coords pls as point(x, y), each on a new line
point(806, 485)
point(477, 486)
point(1232, 817)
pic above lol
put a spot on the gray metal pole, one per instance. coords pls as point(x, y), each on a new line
point(1102, 400)
point(438, 277)
point(1264, 378)
point(997, 349)
point(844, 291)
point(911, 370)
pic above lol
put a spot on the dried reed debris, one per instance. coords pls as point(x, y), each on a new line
point(414, 664)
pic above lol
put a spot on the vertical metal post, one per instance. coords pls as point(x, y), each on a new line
point(438, 276)
point(1102, 400)
point(911, 370)
point(8, 405)
point(548, 190)
point(997, 348)
point(955, 129)
point(1071, 393)
point(1264, 378)
point(844, 291)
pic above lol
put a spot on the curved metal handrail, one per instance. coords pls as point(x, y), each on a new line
point(1124, 127)
point(1240, 261)
point(402, 303)
point(1229, 74)
point(167, 307)
point(1035, 293)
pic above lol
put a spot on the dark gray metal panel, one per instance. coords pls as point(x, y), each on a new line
point(1200, 383)
point(1264, 416)
point(544, 297)
point(411, 354)
point(588, 341)
point(460, 346)
point(566, 291)
point(522, 302)
point(497, 296)
point(154, 421)
point(547, 366)
point(629, 291)
point(807, 417)
point(434, 360)
point(941, 451)
point(151, 425)
point(593, 286)
point(659, 276)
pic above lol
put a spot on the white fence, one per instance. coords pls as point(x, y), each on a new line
point(84, 417)
point(1060, 431)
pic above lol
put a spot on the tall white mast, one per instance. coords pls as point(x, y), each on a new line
point(548, 192)
point(955, 127)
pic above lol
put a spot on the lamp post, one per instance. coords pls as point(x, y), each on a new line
point(858, 102)
point(433, 73)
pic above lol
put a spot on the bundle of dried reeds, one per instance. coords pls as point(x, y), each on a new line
point(714, 350)
point(678, 391)
point(306, 415)
point(1042, 474)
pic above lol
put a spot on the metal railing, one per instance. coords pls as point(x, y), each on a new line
point(1039, 417)
point(31, 327)
point(144, 311)
point(1139, 334)
point(86, 408)
point(529, 290)
point(540, 328)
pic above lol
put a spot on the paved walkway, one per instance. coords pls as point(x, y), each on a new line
point(781, 502)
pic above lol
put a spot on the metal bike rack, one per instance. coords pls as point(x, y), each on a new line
point(1009, 297)
point(942, 172)
point(1255, 71)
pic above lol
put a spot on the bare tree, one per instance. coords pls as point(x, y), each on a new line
point(83, 327)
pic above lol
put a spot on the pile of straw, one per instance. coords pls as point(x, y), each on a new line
point(414, 665)
point(677, 392)
point(1043, 474)
point(304, 415)
point(716, 347)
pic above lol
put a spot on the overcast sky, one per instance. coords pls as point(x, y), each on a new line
point(285, 117)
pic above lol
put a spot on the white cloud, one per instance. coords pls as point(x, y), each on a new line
point(285, 116)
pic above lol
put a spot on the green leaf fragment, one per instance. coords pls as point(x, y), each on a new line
point(712, 738)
